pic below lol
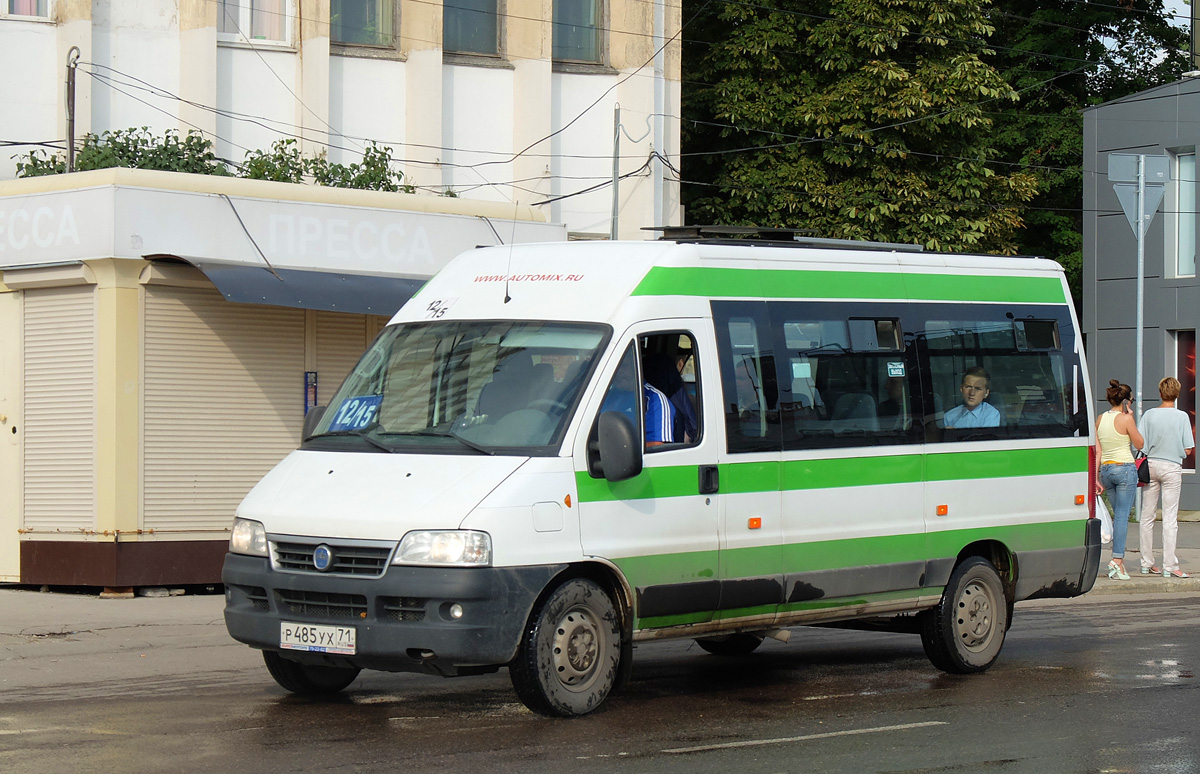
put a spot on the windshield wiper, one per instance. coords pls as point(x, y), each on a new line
point(360, 433)
point(450, 434)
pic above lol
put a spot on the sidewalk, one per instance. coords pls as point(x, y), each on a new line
point(1188, 551)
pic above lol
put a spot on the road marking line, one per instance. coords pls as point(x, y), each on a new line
point(807, 738)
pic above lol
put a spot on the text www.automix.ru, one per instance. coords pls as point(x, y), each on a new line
point(529, 277)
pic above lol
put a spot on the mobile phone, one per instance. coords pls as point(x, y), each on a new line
point(1125, 406)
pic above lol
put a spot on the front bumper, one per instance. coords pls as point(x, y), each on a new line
point(402, 618)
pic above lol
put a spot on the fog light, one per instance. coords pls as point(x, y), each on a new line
point(456, 611)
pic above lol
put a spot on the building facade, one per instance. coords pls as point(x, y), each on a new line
point(161, 338)
point(1165, 122)
point(162, 335)
point(500, 100)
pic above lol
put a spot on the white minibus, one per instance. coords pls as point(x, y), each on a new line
point(556, 451)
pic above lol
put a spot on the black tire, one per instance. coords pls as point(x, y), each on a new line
point(570, 651)
point(307, 679)
point(740, 644)
point(965, 632)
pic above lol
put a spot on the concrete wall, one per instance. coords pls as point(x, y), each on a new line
point(1165, 120)
point(448, 120)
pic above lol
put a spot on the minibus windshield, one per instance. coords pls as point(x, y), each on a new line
point(463, 387)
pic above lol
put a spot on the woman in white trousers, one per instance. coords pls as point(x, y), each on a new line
point(1168, 434)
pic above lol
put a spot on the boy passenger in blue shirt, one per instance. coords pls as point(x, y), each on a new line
point(974, 412)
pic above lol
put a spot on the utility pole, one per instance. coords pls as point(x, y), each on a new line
point(660, 108)
point(72, 63)
point(616, 170)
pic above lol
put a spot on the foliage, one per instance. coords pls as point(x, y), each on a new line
point(284, 162)
point(862, 119)
point(373, 174)
point(38, 162)
point(133, 148)
point(1062, 56)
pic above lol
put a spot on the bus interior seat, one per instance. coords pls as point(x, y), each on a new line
point(508, 390)
point(856, 410)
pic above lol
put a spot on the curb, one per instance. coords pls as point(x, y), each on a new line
point(1144, 584)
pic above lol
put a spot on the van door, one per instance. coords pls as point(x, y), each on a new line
point(659, 527)
point(751, 527)
point(851, 473)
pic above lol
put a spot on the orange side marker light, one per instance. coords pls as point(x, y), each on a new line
point(1080, 499)
point(942, 510)
point(755, 523)
point(567, 501)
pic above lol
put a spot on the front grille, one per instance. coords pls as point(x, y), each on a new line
point(361, 560)
point(257, 596)
point(403, 608)
point(318, 604)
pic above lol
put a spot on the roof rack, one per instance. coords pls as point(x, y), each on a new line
point(789, 237)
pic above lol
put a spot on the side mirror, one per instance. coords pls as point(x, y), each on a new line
point(311, 420)
point(620, 446)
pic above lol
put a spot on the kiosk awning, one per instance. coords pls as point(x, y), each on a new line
point(306, 289)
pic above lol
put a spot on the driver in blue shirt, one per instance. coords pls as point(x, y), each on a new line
point(974, 412)
point(660, 414)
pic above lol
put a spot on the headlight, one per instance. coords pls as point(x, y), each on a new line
point(454, 547)
point(249, 537)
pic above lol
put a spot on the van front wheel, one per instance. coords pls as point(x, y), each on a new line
point(308, 679)
point(965, 632)
point(570, 650)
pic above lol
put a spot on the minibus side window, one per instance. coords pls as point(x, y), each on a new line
point(847, 375)
point(670, 367)
point(749, 382)
point(1009, 375)
point(650, 390)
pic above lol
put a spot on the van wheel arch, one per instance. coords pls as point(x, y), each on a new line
point(1005, 562)
point(611, 583)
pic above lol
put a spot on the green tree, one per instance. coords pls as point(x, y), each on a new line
point(1063, 55)
point(863, 119)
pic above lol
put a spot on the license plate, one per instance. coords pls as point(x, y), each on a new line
point(316, 638)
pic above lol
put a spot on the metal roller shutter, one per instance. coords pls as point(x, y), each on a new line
point(60, 409)
point(341, 339)
point(223, 402)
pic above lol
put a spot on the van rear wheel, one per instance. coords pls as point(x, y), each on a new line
point(965, 632)
point(567, 661)
point(308, 679)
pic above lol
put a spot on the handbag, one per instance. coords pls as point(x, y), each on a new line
point(1143, 467)
point(1106, 525)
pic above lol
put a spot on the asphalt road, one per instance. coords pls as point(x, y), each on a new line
point(1104, 683)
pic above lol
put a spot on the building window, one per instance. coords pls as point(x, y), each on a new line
point(577, 30)
point(39, 8)
point(1185, 372)
point(253, 20)
point(1185, 219)
point(471, 26)
point(362, 22)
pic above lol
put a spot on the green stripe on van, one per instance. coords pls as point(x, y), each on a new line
point(743, 477)
point(659, 569)
point(646, 571)
point(658, 622)
point(799, 283)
